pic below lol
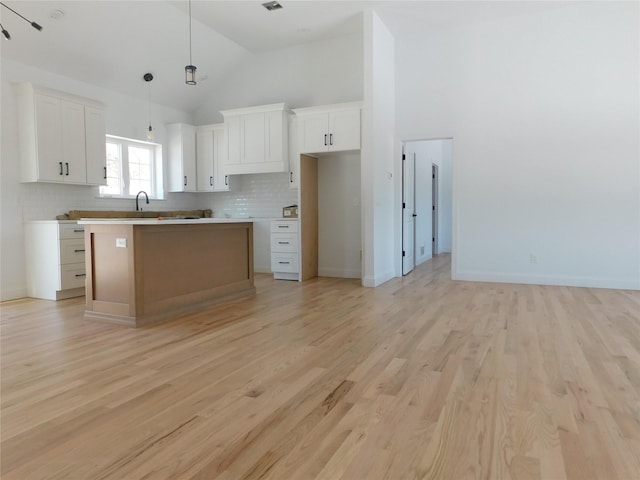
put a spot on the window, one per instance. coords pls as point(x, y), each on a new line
point(132, 166)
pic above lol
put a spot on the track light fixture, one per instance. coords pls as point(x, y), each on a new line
point(190, 70)
point(5, 33)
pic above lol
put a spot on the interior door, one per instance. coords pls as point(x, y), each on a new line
point(408, 212)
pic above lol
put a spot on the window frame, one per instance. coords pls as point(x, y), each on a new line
point(157, 184)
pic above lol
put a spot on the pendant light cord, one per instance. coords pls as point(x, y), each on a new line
point(190, 61)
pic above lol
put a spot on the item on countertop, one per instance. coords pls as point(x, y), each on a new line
point(290, 211)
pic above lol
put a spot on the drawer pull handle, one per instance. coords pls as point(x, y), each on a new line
point(279, 243)
point(284, 263)
point(77, 250)
point(283, 226)
point(81, 274)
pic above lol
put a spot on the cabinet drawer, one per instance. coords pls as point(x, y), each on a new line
point(284, 262)
point(70, 230)
point(71, 251)
point(284, 242)
point(284, 226)
point(72, 276)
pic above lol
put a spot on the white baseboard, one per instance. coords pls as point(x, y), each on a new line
point(338, 273)
point(377, 280)
point(13, 294)
point(589, 282)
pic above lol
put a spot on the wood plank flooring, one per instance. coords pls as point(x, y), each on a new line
point(422, 377)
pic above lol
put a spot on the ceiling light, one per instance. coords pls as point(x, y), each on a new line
point(33, 24)
point(147, 78)
point(272, 6)
point(190, 70)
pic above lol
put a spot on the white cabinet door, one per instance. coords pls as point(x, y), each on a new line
point(294, 155)
point(344, 130)
point(182, 157)
point(252, 143)
point(331, 128)
point(257, 140)
point(48, 138)
point(204, 158)
point(313, 133)
point(95, 128)
point(220, 179)
point(73, 142)
point(232, 135)
point(60, 136)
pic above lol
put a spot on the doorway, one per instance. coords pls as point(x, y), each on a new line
point(426, 200)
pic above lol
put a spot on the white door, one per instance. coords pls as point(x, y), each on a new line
point(408, 212)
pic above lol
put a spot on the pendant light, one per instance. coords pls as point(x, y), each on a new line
point(147, 78)
point(190, 70)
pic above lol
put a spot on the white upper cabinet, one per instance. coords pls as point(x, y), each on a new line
point(329, 128)
point(210, 151)
point(182, 157)
point(95, 128)
point(294, 155)
point(257, 139)
point(61, 137)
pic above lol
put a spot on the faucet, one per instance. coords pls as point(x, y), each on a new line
point(138, 195)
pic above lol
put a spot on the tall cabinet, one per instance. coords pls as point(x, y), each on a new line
point(182, 157)
point(210, 152)
point(61, 137)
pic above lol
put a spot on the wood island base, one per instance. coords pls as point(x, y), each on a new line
point(142, 273)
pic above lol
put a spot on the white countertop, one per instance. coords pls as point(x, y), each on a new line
point(156, 221)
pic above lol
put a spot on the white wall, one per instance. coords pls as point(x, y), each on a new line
point(543, 110)
point(125, 116)
point(339, 229)
point(318, 73)
point(379, 152)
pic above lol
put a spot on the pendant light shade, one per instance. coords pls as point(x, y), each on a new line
point(190, 74)
point(190, 70)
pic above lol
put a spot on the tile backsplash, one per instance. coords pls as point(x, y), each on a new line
point(259, 196)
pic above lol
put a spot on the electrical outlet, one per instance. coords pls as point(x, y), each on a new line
point(121, 242)
point(533, 259)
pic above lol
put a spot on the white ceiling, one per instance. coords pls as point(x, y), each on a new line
point(113, 43)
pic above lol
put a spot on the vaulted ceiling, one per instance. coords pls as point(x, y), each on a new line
point(112, 44)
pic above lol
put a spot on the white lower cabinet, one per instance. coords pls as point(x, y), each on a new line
point(55, 259)
point(284, 249)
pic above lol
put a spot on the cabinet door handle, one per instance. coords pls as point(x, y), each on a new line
point(290, 177)
point(325, 139)
point(78, 230)
point(79, 250)
point(211, 181)
point(61, 172)
point(185, 180)
point(81, 274)
point(331, 139)
point(67, 165)
point(105, 172)
point(226, 180)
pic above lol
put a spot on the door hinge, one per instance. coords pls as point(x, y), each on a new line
point(404, 205)
point(404, 157)
point(433, 176)
point(433, 239)
point(433, 207)
point(403, 253)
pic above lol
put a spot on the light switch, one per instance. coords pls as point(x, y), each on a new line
point(121, 243)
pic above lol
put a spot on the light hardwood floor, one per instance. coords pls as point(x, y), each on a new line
point(423, 377)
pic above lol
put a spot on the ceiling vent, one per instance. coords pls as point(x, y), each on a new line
point(272, 6)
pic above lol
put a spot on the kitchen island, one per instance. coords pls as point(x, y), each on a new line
point(142, 271)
